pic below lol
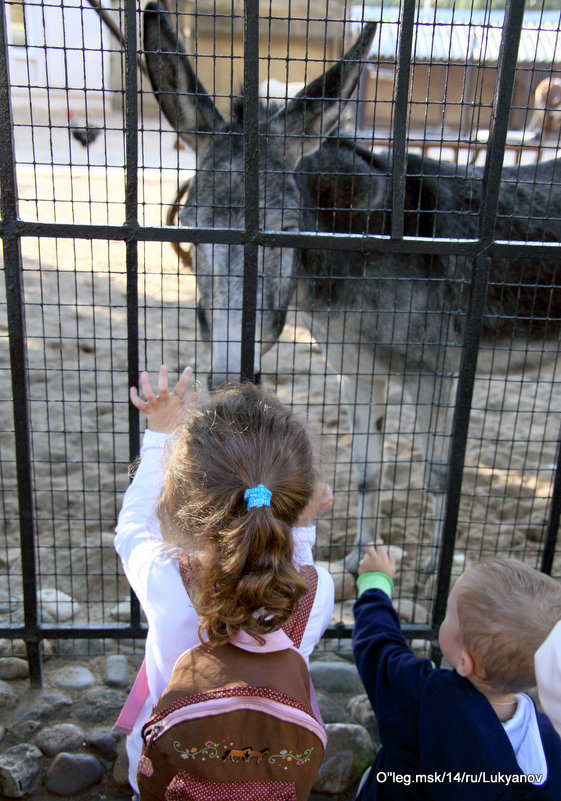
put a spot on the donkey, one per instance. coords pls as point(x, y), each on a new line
point(371, 312)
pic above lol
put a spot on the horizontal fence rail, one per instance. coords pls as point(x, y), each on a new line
point(88, 304)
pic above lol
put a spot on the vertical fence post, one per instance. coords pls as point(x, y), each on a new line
point(554, 517)
point(251, 186)
point(18, 357)
point(514, 15)
point(399, 150)
point(131, 225)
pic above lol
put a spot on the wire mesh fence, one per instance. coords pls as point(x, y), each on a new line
point(380, 246)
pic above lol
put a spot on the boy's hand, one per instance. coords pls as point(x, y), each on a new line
point(322, 498)
point(166, 410)
point(377, 559)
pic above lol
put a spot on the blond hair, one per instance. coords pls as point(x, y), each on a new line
point(506, 609)
point(242, 438)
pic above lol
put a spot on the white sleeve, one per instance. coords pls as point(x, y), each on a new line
point(321, 613)
point(547, 661)
point(322, 609)
point(304, 540)
point(152, 572)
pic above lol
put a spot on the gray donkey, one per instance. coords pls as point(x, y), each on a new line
point(372, 312)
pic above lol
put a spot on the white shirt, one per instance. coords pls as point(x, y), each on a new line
point(524, 735)
point(547, 662)
point(154, 576)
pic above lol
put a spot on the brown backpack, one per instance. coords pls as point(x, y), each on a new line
point(237, 722)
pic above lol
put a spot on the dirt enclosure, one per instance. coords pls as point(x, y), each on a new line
point(75, 296)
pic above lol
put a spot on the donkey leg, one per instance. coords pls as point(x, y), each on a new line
point(433, 430)
point(366, 403)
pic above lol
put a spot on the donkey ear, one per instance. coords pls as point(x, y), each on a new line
point(308, 118)
point(183, 99)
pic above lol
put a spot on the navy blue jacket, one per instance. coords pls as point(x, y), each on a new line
point(435, 723)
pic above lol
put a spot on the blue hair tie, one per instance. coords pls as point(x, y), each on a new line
point(257, 496)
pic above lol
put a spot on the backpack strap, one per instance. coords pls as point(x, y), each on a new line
point(137, 697)
point(295, 626)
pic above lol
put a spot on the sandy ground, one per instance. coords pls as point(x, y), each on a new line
point(75, 296)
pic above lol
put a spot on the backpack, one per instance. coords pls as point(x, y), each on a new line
point(238, 721)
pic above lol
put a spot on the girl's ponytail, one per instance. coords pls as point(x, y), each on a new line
point(252, 583)
point(243, 450)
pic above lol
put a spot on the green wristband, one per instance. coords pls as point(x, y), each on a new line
point(375, 581)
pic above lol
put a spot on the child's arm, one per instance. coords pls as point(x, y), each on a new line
point(304, 531)
point(392, 675)
point(138, 535)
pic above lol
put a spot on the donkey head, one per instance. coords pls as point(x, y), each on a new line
point(216, 194)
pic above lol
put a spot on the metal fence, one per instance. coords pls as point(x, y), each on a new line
point(461, 205)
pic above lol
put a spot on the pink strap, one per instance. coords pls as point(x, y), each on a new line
point(136, 699)
point(296, 624)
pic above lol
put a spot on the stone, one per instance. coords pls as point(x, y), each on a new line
point(336, 677)
point(12, 667)
point(52, 740)
point(74, 678)
point(80, 647)
point(329, 708)
point(57, 604)
point(116, 672)
point(100, 703)
point(121, 770)
point(121, 613)
point(8, 602)
point(43, 707)
point(8, 698)
point(348, 754)
point(105, 742)
point(70, 774)
point(20, 771)
point(360, 709)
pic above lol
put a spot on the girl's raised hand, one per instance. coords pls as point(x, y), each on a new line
point(165, 410)
point(322, 498)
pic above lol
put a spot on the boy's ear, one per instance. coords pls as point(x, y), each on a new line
point(466, 665)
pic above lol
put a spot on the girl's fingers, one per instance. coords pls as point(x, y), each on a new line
point(136, 401)
point(183, 383)
point(147, 387)
point(163, 380)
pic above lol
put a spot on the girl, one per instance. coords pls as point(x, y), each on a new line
point(238, 476)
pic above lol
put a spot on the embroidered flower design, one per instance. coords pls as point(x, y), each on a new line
point(209, 750)
point(288, 756)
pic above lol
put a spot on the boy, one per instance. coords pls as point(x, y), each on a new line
point(467, 733)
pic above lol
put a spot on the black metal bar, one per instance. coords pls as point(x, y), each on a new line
point(467, 247)
point(552, 532)
point(506, 70)
point(131, 206)
point(514, 14)
point(406, 25)
point(333, 631)
point(84, 632)
point(460, 426)
point(251, 186)
point(18, 360)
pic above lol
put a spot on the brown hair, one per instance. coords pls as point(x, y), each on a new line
point(243, 438)
point(506, 609)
